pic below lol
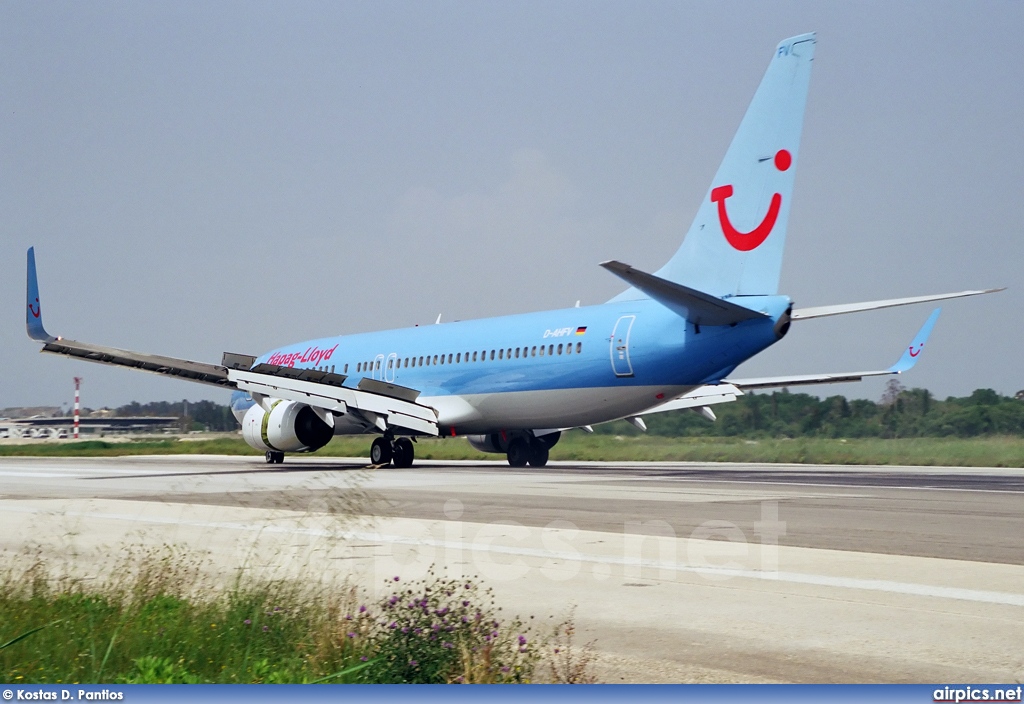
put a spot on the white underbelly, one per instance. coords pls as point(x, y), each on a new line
point(554, 408)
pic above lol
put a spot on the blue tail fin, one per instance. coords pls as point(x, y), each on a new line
point(734, 246)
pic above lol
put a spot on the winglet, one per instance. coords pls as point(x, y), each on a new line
point(34, 312)
point(910, 355)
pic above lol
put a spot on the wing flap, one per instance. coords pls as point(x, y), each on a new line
point(397, 412)
point(706, 395)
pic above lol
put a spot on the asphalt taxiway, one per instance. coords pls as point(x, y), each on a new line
point(680, 571)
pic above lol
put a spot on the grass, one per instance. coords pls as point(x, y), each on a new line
point(160, 623)
point(991, 451)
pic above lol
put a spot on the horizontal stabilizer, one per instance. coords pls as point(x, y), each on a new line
point(825, 311)
point(695, 306)
point(907, 360)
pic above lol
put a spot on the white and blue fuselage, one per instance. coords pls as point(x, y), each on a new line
point(551, 369)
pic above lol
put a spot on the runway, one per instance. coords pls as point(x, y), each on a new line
point(680, 571)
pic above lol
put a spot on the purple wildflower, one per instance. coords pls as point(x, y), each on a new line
point(364, 658)
point(522, 640)
point(396, 578)
point(247, 622)
point(413, 663)
point(505, 669)
point(265, 629)
point(465, 603)
point(393, 624)
point(351, 634)
point(362, 609)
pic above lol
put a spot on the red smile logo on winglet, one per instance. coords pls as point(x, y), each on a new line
point(746, 241)
point(912, 352)
point(34, 311)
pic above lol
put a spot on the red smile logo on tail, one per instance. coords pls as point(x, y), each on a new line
point(746, 241)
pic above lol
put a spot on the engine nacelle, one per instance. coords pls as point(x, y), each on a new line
point(289, 427)
point(494, 442)
point(488, 443)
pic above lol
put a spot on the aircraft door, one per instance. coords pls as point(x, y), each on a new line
point(389, 372)
point(378, 368)
point(620, 346)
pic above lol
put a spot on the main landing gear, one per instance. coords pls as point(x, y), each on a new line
point(399, 452)
point(532, 451)
point(274, 457)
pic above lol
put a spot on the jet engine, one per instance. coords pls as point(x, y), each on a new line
point(494, 442)
point(289, 427)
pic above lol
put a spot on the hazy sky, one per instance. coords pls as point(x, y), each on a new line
point(202, 177)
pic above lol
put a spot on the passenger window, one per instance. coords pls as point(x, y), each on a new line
point(559, 349)
point(579, 347)
point(501, 354)
point(421, 361)
point(346, 369)
point(568, 348)
point(517, 353)
point(474, 356)
point(359, 366)
point(449, 359)
point(390, 362)
point(508, 354)
point(442, 359)
point(551, 350)
point(378, 364)
point(458, 358)
point(533, 351)
point(542, 350)
point(492, 355)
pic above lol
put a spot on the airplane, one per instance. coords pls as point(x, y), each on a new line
point(511, 385)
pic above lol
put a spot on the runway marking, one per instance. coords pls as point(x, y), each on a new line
point(874, 585)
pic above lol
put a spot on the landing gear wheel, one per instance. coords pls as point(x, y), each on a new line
point(380, 452)
point(274, 457)
point(404, 453)
point(518, 453)
point(538, 454)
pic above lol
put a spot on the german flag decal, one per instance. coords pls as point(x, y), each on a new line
point(581, 330)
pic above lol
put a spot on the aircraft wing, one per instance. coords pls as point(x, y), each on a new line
point(706, 395)
point(825, 311)
point(158, 364)
point(907, 360)
point(730, 389)
point(379, 403)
